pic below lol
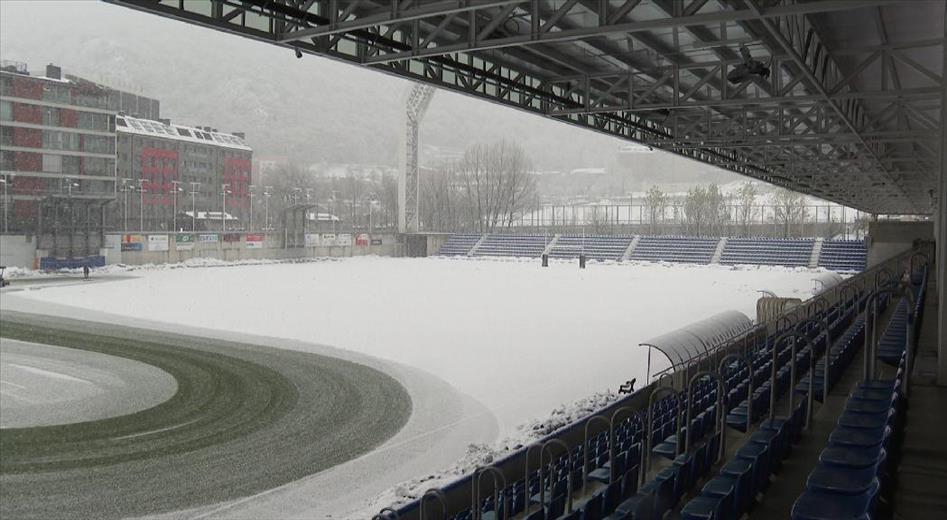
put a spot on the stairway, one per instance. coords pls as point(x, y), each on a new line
point(719, 251)
point(477, 245)
point(631, 248)
point(816, 251)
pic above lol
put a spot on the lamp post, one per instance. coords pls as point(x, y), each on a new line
point(371, 204)
point(174, 218)
point(6, 204)
point(266, 206)
point(332, 216)
point(225, 189)
point(141, 204)
point(125, 190)
point(194, 186)
point(252, 194)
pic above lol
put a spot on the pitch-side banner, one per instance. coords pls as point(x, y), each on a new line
point(254, 241)
point(133, 242)
point(183, 242)
point(158, 243)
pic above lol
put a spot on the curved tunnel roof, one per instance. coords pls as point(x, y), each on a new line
point(700, 338)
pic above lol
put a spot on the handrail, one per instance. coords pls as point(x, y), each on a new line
point(611, 438)
point(690, 402)
point(585, 447)
point(871, 346)
point(439, 495)
point(749, 398)
point(646, 451)
point(385, 514)
point(792, 375)
point(542, 488)
point(476, 505)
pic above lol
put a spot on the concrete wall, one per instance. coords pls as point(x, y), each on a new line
point(17, 251)
point(887, 238)
point(239, 250)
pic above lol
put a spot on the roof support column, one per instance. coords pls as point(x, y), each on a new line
point(940, 232)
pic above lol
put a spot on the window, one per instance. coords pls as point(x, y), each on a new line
point(6, 135)
point(55, 140)
point(52, 163)
point(6, 161)
point(98, 144)
point(50, 116)
point(70, 164)
point(97, 166)
point(6, 111)
point(89, 121)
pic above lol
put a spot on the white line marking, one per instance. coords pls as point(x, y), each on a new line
point(152, 432)
point(50, 374)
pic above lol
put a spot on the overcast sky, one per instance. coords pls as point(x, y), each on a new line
point(311, 109)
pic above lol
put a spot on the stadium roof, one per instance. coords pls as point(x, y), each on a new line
point(849, 110)
point(134, 125)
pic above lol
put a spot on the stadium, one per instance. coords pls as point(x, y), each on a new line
point(584, 367)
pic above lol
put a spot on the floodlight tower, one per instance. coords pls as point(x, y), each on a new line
point(416, 103)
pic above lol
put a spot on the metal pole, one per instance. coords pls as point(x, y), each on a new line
point(141, 205)
point(174, 216)
point(6, 205)
point(266, 207)
point(125, 209)
point(252, 193)
point(223, 213)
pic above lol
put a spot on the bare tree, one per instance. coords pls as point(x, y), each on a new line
point(657, 201)
point(496, 184)
point(746, 208)
point(695, 209)
point(790, 209)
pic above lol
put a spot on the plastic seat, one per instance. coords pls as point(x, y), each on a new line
point(843, 481)
point(858, 437)
point(742, 471)
point(758, 455)
point(864, 420)
point(703, 508)
point(854, 458)
point(638, 507)
point(724, 488)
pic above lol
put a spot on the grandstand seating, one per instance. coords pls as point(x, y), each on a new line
point(695, 250)
point(767, 251)
point(599, 477)
point(839, 255)
point(597, 247)
point(531, 246)
point(844, 255)
point(856, 467)
point(458, 245)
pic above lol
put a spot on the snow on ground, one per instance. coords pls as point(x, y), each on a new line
point(519, 338)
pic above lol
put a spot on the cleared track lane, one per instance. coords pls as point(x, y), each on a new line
point(245, 419)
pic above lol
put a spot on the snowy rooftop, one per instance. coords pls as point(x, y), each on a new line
point(134, 125)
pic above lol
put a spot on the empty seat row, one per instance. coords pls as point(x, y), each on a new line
point(844, 255)
point(675, 249)
point(760, 251)
point(458, 245)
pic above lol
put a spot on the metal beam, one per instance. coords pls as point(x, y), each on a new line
point(533, 38)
